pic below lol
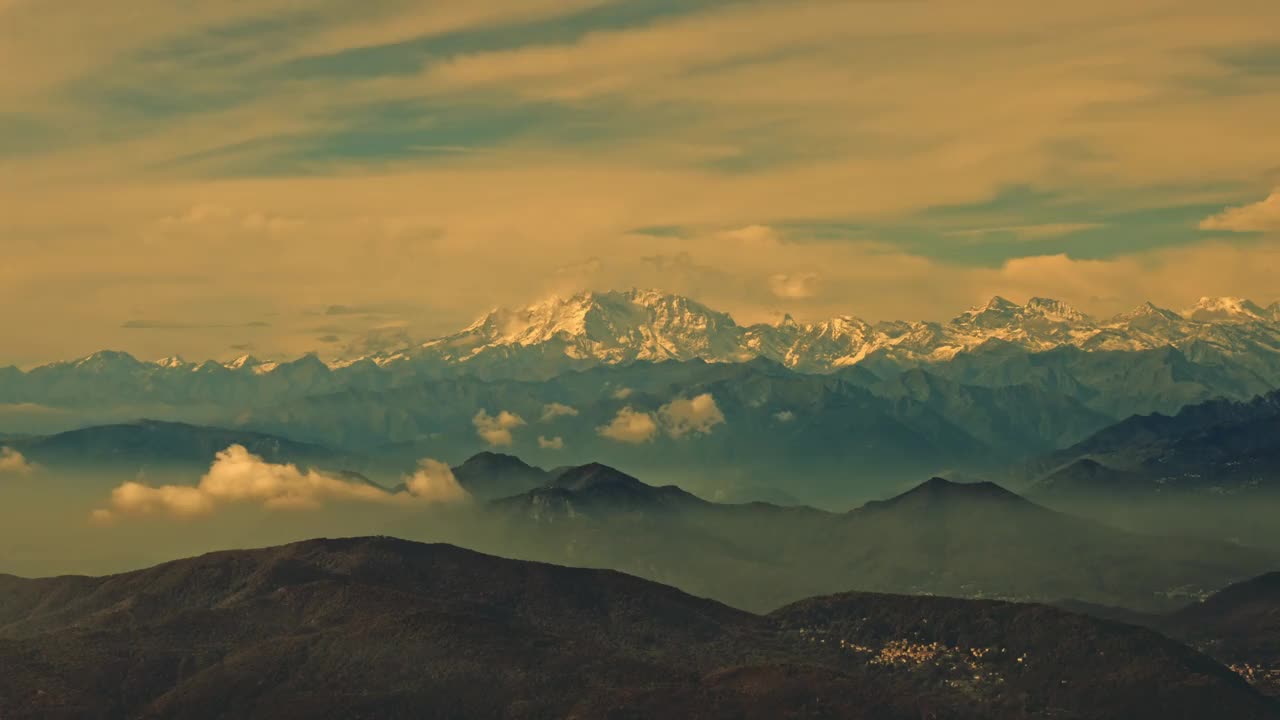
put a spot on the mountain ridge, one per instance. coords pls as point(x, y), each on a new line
point(381, 627)
point(614, 327)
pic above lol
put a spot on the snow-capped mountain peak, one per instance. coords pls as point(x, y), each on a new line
point(604, 328)
point(607, 326)
point(1225, 309)
point(615, 327)
point(249, 363)
point(172, 362)
point(107, 360)
point(1147, 311)
point(1054, 310)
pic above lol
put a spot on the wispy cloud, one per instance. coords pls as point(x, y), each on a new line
point(140, 324)
point(552, 411)
point(293, 140)
point(1262, 216)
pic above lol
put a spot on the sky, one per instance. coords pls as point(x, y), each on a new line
point(276, 177)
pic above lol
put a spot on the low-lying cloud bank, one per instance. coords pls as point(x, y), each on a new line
point(238, 477)
point(12, 462)
point(678, 418)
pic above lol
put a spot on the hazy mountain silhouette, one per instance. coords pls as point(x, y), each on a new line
point(972, 540)
point(152, 444)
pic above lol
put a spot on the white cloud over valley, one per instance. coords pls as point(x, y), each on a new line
point(496, 429)
point(697, 415)
point(238, 477)
point(630, 426)
point(13, 462)
point(678, 418)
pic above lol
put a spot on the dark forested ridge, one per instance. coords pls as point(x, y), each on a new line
point(378, 627)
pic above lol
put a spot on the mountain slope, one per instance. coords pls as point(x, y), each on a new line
point(941, 537)
point(386, 628)
point(1220, 446)
point(598, 491)
point(490, 475)
point(154, 444)
point(1240, 626)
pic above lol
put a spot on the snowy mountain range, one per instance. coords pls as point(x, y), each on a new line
point(617, 327)
point(997, 383)
point(611, 328)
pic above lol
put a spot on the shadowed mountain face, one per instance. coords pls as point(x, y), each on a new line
point(600, 491)
point(1220, 446)
point(1213, 470)
point(490, 475)
point(173, 446)
point(377, 627)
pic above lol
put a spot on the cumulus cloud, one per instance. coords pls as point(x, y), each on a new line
point(434, 482)
point(784, 416)
point(554, 410)
point(683, 416)
point(680, 417)
point(496, 429)
point(553, 443)
point(13, 462)
point(622, 393)
point(238, 477)
point(1262, 216)
point(630, 426)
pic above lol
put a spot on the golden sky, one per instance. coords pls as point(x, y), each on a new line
point(278, 177)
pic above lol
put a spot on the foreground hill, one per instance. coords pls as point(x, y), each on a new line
point(1240, 626)
point(378, 627)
